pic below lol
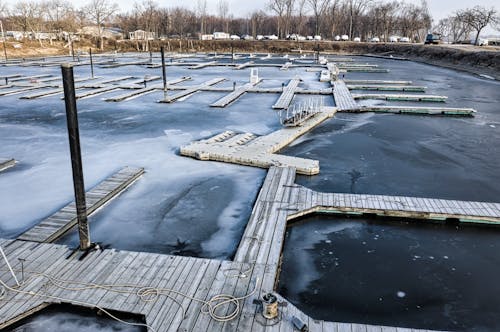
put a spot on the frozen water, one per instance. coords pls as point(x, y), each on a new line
point(180, 205)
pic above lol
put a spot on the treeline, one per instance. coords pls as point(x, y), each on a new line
point(328, 18)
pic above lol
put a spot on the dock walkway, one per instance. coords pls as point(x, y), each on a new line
point(56, 225)
point(6, 163)
point(172, 292)
point(230, 98)
point(250, 150)
point(343, 98)
point(287, 95)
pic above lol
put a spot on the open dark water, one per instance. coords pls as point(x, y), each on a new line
point(66, 318)
point(398, 273)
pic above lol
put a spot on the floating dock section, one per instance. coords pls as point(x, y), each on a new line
point(415, 110)
point(59, 223)
point(287, 95)
point(250, 150)
point(190, 90)
point(415, 97)
point(342, 96)
point(230, 98)
point(6, 163)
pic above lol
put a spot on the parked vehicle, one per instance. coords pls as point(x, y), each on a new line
point(259, 37)
point(247, 37)
point(337, 38)
point(235, 37)
point(309, 38)
point(393, 39)
point(344, 37)
point(480, 42)
point(357, 40)
point(375, 40)
point(432, 38)
point(271, 37)
point(317, 37)
point(404, 40)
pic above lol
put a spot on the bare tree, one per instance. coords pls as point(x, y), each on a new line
point(453, 28)
point(28, 15)
point(3, 9)
point(478, 18)
point(319, 8)
point(100, 11)
point(279, 7)
point(202, 12)
point(223, 10)
point(60, 15)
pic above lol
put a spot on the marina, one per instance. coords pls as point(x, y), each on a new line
point(182, 292)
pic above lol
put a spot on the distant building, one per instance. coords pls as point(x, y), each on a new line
point(221, 35)
point(108, 33)
point(206, 37)
point(141, 35)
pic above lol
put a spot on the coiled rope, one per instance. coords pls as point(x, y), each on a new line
point(145, 294)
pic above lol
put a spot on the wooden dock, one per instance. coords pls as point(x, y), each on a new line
point(287, 94)
point(190, 90)
point(347, 81)
point(343, 98)
point(6, 163)
point(176, 290)
point(53, 227)
point(250, 150)
point(378, 87)
point(425, 98)
point(415, 110)
point(233, 96)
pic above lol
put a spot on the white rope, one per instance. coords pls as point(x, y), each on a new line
point(145, 294)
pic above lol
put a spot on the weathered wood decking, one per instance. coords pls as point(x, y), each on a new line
point(190, 90)
point(343, 98)
point(417, 110)
point(230, 98)
point(248, 149)
point(255, 267)
point(393, 97)
point(287, 94)
point(63, 220)
point(6, 163)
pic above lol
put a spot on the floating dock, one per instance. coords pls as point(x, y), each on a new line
point(343, 97)
point(59, 223)
point(6, 163)
point(287, 95)
point(190, 90)
point(425, 98)
point(406, 88)
point(415, 110)
point(172, 292)
point(230, 98)
point(250, 150)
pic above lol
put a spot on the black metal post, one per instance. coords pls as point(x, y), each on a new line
point(234, 86)
point(72, 48)
point(164, 72)
point(91, 63)
point(76, 156)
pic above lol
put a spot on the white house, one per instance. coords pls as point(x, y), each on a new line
point(206, 37)
point(141, 35)
point(221, 35)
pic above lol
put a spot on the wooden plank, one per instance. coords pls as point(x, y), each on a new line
point(114, 187)
point(194, 308)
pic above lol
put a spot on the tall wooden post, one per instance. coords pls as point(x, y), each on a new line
point(76, 156)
